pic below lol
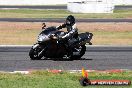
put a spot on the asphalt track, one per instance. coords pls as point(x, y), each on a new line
point(96, 58)
point(61, 20)
point(53, 7)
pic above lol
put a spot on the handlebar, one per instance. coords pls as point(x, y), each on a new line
point(52, 36)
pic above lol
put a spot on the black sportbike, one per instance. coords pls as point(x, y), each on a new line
point(51, 45)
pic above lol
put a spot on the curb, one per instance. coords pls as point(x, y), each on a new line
point(70, 71)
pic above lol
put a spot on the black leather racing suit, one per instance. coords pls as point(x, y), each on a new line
point(71, 30)
point(70, 37)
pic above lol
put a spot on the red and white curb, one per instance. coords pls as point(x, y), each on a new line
point(21, 72)
point(100, 71)
point(70, 71)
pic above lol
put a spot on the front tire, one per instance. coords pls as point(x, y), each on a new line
point(33, 53)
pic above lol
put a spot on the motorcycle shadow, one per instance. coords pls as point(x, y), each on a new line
point(62, 59)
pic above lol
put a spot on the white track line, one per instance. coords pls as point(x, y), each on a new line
point(86, 45)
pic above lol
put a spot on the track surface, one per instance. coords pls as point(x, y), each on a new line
point(61, 20)
point(96, 58)
point(53, 7)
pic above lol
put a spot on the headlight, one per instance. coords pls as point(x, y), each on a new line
point(42, 38)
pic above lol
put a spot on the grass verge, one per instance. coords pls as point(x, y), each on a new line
point(44, 79)
point(26, 33)
point(29, 13)
point(29, 36)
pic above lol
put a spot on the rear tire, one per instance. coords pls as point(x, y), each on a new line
point(81, 52)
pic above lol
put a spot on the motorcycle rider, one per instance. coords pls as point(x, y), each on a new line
point(72, 32)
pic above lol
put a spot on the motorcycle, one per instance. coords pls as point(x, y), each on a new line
point(51, 45)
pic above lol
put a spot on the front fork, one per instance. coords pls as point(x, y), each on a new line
point(36, 46)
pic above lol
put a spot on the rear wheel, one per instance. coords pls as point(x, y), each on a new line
point(34, 53)
point(79, 52)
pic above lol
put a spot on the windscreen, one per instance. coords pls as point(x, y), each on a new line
point(48, 30)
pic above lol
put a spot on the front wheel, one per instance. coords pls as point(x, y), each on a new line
point(34, 53)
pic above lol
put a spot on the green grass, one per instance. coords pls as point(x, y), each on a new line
point(44, 79)
point(123, 11)
point(28, 13)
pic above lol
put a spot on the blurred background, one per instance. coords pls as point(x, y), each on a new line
point(109, 20)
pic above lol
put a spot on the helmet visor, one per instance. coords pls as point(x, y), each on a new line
point(68, 22)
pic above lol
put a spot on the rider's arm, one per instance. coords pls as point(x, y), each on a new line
point(61, 26)
point(71, 33)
